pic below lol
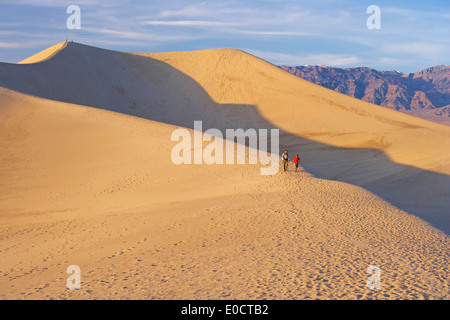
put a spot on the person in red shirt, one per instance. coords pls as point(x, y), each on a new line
point(296, 161)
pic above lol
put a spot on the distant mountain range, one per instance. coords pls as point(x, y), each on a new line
point(425, 93)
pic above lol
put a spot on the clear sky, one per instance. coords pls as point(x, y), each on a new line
point(414, 34)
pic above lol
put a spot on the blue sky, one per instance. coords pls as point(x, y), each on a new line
point(414, 34)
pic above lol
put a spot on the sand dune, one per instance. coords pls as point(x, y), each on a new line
point(396, 156)
point(95, 188)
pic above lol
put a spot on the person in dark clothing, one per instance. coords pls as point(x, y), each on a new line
point(285, 158)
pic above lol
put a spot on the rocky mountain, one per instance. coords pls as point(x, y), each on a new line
point(423, 93)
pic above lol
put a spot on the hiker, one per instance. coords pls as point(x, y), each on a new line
point(296, 161)
point(285, 158)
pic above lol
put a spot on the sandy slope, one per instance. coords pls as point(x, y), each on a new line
point(430, 116)
point(401, 158)
point(96, 189)
point(45, 54)
point(398, 157)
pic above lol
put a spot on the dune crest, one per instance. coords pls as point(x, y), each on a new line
point(45, 54)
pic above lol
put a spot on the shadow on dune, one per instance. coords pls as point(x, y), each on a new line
point(151, 89)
